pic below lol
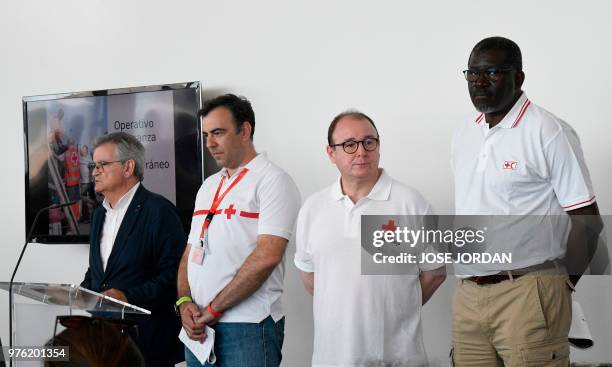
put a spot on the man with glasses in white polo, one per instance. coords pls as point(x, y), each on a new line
point(360, 320)
point(522, 168)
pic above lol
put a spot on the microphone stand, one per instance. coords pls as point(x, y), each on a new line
point(28, 239)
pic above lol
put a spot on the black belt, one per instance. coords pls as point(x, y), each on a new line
point(493, 279)
point(517, 273)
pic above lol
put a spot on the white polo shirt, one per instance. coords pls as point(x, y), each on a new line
point(529, 165)
point(359, 320)
point(265, 201)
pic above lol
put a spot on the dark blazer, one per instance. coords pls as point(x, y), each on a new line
point(143, 264)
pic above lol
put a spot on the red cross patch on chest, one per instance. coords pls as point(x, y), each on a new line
point(510, 165)
point(229, 213)
point(390, 226)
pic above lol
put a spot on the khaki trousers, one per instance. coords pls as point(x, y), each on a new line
point(518, 322)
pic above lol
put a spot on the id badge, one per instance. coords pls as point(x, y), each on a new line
point(204, 243)
point(197, 255)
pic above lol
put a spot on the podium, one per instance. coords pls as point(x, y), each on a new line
point(36, 306)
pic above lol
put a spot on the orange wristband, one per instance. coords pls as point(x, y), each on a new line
point(214, 312)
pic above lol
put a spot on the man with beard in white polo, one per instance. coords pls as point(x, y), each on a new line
point(231, 274)
point(522, 168)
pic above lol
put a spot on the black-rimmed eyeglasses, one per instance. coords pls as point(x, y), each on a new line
point(100, 165)
point(492, 74)
point(351, 146)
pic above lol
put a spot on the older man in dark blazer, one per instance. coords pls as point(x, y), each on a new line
point(136, 241)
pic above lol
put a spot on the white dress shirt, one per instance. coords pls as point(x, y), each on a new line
point(112, 223)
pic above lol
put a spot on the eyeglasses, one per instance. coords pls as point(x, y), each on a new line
point(492, 74)
point(351, 146)
point(100, 165)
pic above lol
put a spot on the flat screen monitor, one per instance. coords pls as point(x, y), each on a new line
point(59, 133)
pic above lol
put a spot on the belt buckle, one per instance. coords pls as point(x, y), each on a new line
point(479, 280)
point(491, 279)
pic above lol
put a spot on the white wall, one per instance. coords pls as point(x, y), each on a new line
point(300, 64)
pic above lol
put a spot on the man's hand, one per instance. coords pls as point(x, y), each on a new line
point(191, 317)
point(207, 318)
point(430, 281)
point(116, 294)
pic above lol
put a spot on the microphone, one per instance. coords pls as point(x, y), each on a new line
point(28, 239)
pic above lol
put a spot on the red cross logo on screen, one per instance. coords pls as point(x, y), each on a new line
point(510, 165)
point(390, 226)
point(229, 211)
point(74, 158)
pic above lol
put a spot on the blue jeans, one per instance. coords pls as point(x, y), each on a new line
point(240, 344)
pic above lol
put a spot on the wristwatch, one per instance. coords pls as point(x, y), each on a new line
point(178, 304)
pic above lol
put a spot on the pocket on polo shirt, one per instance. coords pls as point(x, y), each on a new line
point(515, 179)
point(507, 181)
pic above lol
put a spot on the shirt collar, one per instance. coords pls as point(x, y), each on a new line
point(124, 201)
point(255, 164)
point(513, 117)
point(380, 192)
point(336, 189)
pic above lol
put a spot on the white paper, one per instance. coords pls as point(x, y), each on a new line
point(204, 352)
point(579, 334)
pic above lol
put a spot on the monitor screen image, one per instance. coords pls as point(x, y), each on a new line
point(60, 131)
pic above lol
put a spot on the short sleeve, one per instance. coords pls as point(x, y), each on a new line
point(303, 257)
point(569, 175)
point(279, 203)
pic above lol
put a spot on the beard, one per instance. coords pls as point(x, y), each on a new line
point(492, 103)
point(494, 97)
point(485, 108)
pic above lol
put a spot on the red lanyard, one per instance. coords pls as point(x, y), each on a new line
point(218, 199)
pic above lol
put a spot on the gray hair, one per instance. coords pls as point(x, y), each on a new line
point(128, 147)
